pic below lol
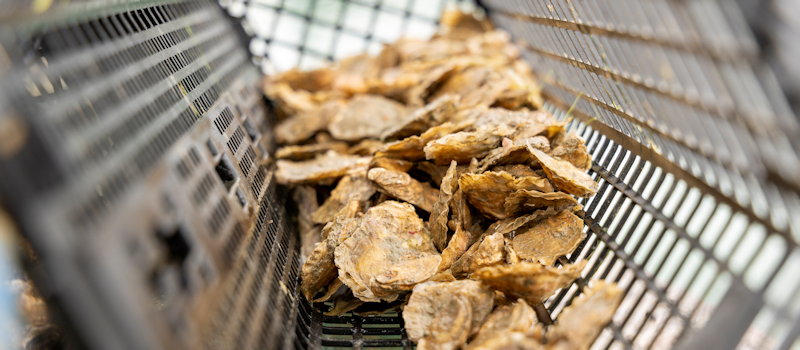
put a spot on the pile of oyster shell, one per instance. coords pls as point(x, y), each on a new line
point(445, 191)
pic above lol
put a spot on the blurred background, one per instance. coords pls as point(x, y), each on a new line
point(311, 33)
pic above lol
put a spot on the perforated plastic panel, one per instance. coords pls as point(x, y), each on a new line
point(133, 149)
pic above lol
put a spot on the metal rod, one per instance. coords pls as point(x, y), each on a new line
point(542, 314)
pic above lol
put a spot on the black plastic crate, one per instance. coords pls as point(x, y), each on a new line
point(140, 184)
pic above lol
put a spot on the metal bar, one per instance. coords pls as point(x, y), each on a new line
point(659, 160)
point(381, 331)
point(639, 299)
point(356, 332)
point(315, 337)
point(691, 46)
point(614, 195)
point(633, 120)
point(600, 193)
point(369, 343)
point(557, 299)
point(720, 112)
point(372, 319)
point(407, 14)
point(672, 246)
point(626, 215)
point(380, 7)
point(772, 274)
point(657, 215)
point(337, 330)
point(794, 334)
point(302, 46)
point(562, 294)
point(373, 20)
point(542, 315)
point(732, 317)
point(614, 258)
point(407, 343)
point(308, 18)
point(694, 279)
point(630, 264)
point(639, 217)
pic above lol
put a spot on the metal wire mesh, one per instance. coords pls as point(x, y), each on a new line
point(694, 146)
point(142, 117)
point(694, 141)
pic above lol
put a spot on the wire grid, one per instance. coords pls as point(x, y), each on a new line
point(671, 89)
point(659, 238)
point(352, 331)
point(678, 221)
point(680, 79)
point(311, 33)
point(262, 307)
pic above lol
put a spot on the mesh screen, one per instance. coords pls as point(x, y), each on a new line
point(679, 79)
point(141, 179)
point(694, 147)
point(693, 141)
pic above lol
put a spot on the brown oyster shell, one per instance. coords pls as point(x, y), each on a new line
point(388, 253)
point(551, 238)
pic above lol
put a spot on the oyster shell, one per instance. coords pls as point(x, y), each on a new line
point(442, 315)
point(434, 113)
point(551, 238)
point(319, 269)
point(463, 146)
point(412, 148)
point(441, 209)
point(324, 169)
point(301, 126)
point(573, 150)
point(580, 323)
point(366, 116)
point(489, 191)
point(531, 282)
point(513, 152)
point(310, 151)
point(504, 321)
point(349, 187)
point(488, 251)
point(524, 200)
point(392, 164)
point(387, 254)
point(402, 186)
point(566, 176)
point(516, 170)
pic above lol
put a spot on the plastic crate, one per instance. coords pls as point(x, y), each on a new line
point(133, 134)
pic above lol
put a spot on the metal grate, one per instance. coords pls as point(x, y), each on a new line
point(693, 142)
point(694, 146)
point(134, 111)
point(126, 110)
point(224, 120)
